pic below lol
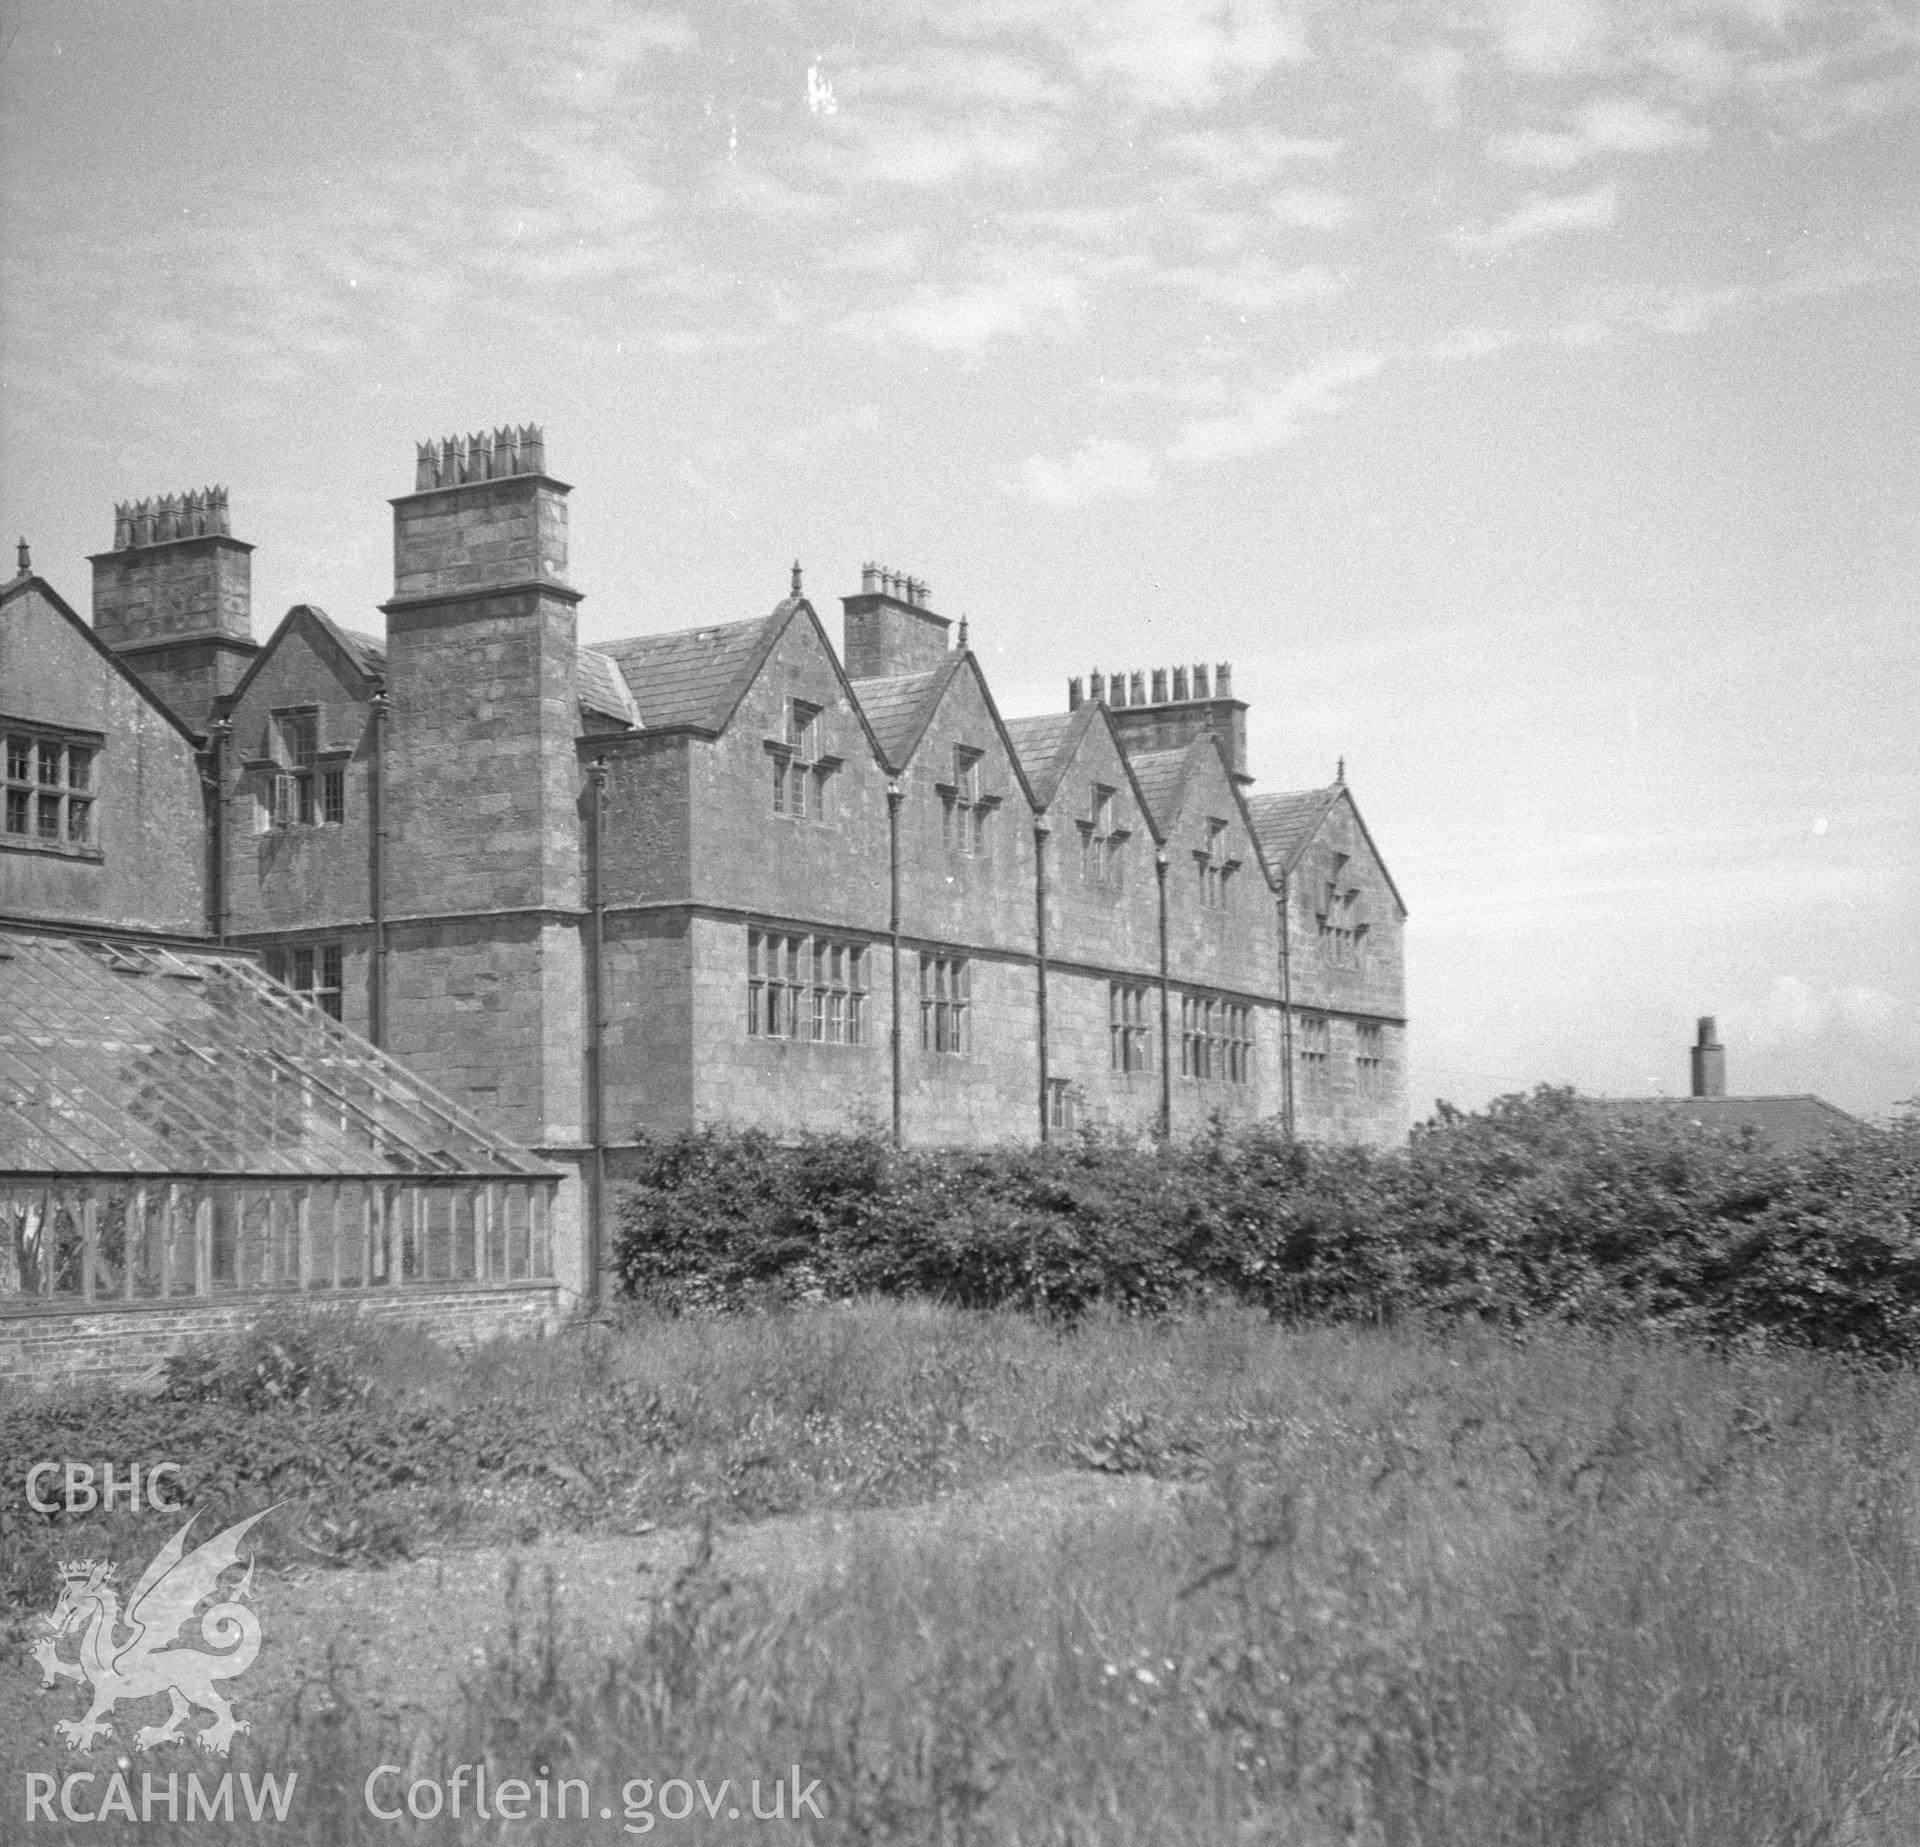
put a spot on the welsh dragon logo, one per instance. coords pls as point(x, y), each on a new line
point(138, 1665)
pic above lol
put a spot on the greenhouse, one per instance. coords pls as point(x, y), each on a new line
point(176, 1125)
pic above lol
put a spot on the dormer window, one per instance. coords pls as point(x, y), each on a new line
point(801, 766)
point(1101, 838)
point(301, 785)
point(964, 808)
point(1343, 937)
point(1216, 870)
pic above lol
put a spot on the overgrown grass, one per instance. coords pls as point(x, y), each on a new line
point(1391, 1588)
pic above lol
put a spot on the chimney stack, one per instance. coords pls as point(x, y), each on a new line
point(1168, 707)
point(174, 598)
point(887, 630)
point(1709, 1059)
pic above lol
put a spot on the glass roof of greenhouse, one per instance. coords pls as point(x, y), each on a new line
point(122, 1059)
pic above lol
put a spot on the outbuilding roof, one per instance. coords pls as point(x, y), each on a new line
point(695, 676)
point(120, 1059)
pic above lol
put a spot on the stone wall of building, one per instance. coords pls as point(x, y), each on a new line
point(1349, 971)
point(145, 864)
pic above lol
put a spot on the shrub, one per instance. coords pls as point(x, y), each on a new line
point(1542, 1207)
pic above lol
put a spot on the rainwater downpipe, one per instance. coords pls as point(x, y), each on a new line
point(1166, 1005)
point(597, 1034)
point(893, 935)
point(217, 872)
point(1041, 833)
point(377, 870)
point(1286, 1005)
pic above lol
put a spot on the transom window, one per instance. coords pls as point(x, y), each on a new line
point(1130, 1038)
point(945, 1004)
point(1101, 839)
point(806, 987)
point(301, 784)
point(963, 821)
point(1216, 1039)
point(1343, 937)
point(312, 969)
point(50, 789)
point(1216, 870)
point(1368, 1061)
point(801, 767)
point(1315, 1057)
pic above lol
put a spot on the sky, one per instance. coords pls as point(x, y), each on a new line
point(1521, 394)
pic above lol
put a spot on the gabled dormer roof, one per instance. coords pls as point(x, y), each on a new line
point(602, 688)
point(29, 581)
point(1048, 744)
point(695, 679)
point(1286, 821)
point(909, 704)
point(365, 656)
point(1162, 776)
point(900, 709)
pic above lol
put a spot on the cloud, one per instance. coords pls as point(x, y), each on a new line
point(1164, 54)
point(1433, 74)
point(1795, 1012)
point(1544, 37)
point(1607, 125)
point(1544, 215)
point(1270, 417)
point(1100, 469)
point(899, 149)
point(1310, 209)
point(1255, 284)
point(1247, 156)
point(968, 320)
point(1472, 343)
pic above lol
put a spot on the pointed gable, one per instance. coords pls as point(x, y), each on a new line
point(912, 711)
point(1045, 746)
point(1162, 778)
point(1287, 822)
point(899, 709)
point(363, 655)
point(26, 588)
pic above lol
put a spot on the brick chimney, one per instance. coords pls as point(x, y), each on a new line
point(174, 598)
point(888, 628)
point(1709, 1060)
point(1167, 708)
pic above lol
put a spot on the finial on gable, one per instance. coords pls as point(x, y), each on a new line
point(963, 634)
point(25, 558)
point(796, 577)
point(1340, 773)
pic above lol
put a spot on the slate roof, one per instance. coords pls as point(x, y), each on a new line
point(123, 1059)
point(696, 676)
point(603, 688)
point(1044, 746)
point(367, 652)
point(898, 709)
point(1284, 820)
point(1791, 1124)
point(1162, 776)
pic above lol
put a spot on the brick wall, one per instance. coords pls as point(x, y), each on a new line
point(128, 1345)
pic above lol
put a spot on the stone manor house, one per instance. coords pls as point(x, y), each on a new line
point(730, 873)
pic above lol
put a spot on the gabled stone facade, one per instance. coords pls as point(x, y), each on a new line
point(726, 874)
